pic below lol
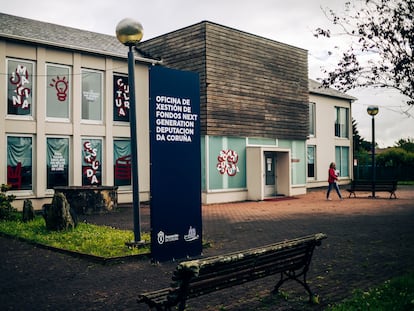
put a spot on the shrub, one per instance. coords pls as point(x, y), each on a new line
point(7, 211)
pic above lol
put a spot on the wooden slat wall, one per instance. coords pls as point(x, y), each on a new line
point(250, 86)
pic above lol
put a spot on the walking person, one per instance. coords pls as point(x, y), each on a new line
point(333, 181)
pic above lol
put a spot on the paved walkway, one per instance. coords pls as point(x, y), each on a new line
point(369, 241)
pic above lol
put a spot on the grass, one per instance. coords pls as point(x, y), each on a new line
point(395, 294)
point(101, 241)
point(406, 183)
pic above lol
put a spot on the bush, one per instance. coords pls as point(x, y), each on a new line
point(7, 211)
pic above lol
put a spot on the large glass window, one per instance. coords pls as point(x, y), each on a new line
point(57, 91)
point(121, 98)
point(20, 87)
point(122, 162)
point(311, 161)
point(19, 162)
point(91, 95)
point(91, 162)
point(342, 160)
point(312, 115)
point(57, 157)
point(342, 122)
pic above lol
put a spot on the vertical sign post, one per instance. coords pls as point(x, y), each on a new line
point(176, 224)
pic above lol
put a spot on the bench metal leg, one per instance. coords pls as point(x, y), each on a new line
point(351, 193)
point(291, 275)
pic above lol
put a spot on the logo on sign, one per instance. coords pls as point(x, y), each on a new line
point(164, 238)
point(192, 235)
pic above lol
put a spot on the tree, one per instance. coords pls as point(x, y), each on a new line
point(406, 144)
point(383, 29)
point(360, 144)
point(396, 157)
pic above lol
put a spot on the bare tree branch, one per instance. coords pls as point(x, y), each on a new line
point(383, 29)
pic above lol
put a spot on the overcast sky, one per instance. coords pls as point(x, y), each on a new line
point(287, 21)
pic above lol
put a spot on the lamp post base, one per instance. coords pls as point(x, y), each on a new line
point(137, 244)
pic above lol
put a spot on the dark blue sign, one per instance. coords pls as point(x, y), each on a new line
point(175, 156)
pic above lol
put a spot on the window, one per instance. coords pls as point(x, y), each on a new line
point(19, 162)
point(57, 91)
point(91, 95)
point(312, 115)
point(57, 157)
point(122, 162)
point(20, 87)
point(91, 162)
point(342, 160)
point(121, 98)
point(311, 161)
point(342, 122)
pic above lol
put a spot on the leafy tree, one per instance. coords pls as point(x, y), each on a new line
point(360, 144)
point(382, 29)
point(395, 157)
point(406, 144)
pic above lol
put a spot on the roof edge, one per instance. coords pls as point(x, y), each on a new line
point(76, 48)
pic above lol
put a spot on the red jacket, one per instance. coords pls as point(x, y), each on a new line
point(332, 176)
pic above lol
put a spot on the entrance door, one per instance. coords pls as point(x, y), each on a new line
point(270, 173)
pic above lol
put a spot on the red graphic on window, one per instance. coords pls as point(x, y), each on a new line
point(90, 158)
point(14, 176)
point(123, 168)
point(61, 86)
point(20, 78)
point(227, 162)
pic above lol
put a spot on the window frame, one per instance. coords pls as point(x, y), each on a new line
point(312, 119)
point(68, 93)
point(85, 71)
point(99, 159)
point(341, 129)
point(49, 190)
point(342, 163)
point(313, 147)
point(32, 160)
point(120, 92)
point(32, 82)
point(124, 186)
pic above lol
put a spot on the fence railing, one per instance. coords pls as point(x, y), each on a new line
point(398, 173)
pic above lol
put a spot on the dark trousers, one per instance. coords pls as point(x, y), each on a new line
point(335, 186)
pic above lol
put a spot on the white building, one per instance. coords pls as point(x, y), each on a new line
point(330, 136)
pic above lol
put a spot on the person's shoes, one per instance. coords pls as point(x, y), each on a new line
point(328, 199)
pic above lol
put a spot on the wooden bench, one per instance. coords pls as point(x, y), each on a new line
point(290, 259)
point(380, 186)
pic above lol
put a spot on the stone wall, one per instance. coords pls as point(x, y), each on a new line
point(90, 199)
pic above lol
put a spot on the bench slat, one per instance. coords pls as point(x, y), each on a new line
point(277, 258)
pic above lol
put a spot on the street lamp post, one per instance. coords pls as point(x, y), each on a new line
point(373, 111)
point(129, 32)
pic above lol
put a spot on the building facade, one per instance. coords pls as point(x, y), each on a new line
point(330, 135)
point(65, 112)
point(254, 109)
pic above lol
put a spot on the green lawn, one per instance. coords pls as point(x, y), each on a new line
point(396, 294)
point(101, 241)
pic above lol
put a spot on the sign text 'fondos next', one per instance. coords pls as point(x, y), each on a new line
point(174, 119)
